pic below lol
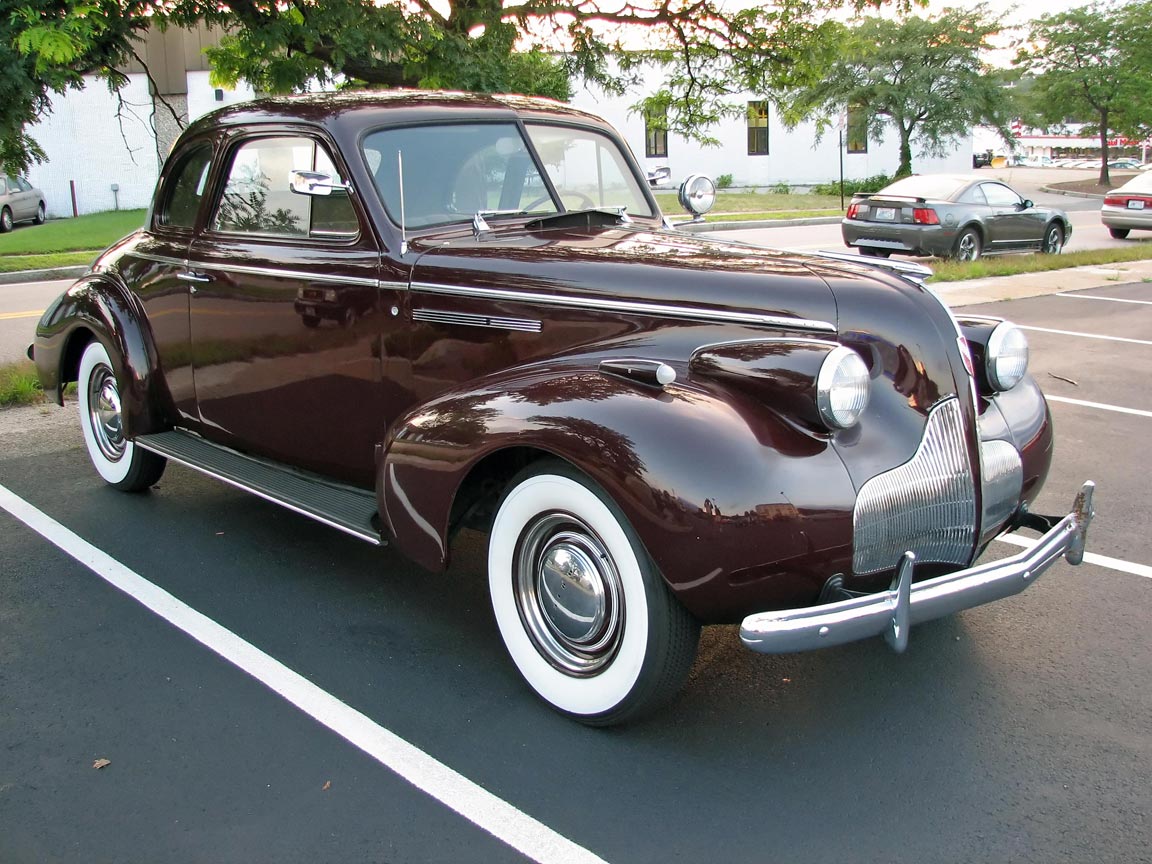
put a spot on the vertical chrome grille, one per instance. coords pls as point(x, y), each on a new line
point(927, 505)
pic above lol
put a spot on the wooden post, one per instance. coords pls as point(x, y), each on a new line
point(75, 209)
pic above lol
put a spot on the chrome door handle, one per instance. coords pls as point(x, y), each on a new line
point(193, 276)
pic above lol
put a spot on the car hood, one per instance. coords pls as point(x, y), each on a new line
point(632, 264)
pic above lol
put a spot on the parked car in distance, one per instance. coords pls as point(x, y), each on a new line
point(1128, 207)
point(656, 430)
point(951, 216)
point(982, 160)
point(1126, 163)
point(20, 201)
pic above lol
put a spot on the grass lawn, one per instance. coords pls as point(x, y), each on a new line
point(760, 203)
point(1010, 265)
point(19, 384)
point(92, 232)
point(14, 263)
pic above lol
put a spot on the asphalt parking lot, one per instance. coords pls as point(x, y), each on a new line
point(1018, 732)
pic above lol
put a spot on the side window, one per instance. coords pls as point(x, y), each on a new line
point(1000, 196)
point(24, 185)
point(258, 199)
point(186, 187)
point(975, 195)
point(9, 185)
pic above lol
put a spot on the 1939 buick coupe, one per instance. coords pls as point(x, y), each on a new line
point(406, 313)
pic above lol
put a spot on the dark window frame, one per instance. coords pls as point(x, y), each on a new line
point(656, 137)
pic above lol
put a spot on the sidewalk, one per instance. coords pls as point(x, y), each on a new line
point(998, 288)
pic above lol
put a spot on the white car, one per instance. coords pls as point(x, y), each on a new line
point(1128, 207)
point(20, 201)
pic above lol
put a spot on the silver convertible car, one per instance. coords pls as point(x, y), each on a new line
point(951, 216)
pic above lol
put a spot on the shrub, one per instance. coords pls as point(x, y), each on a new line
point(782, 188)
point(851, 187)
point(724, 181)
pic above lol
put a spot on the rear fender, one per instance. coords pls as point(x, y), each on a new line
point(737, 508)
point(99, 306)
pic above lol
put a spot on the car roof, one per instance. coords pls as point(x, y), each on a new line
point(389, 107)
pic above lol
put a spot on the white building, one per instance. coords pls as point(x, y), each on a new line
point(107, 150)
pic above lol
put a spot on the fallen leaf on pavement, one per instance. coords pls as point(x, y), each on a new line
point(101, 763)
point(327, 785)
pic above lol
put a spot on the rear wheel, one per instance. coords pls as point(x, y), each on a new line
point(583, 612)
point(1118, 233)
point(1053, 240)
point(968, 245)
point(120, 462)
point(5, 220)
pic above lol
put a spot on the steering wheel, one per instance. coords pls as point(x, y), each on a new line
point(584, 201)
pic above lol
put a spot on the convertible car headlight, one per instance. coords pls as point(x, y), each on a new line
point(1006, 359)
point(842, 388)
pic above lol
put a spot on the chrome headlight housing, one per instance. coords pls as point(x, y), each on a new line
point(842, 388)
point(1006, 358)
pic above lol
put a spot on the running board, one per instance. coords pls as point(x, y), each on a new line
point(345, 508)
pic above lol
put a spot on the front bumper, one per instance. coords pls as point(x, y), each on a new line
point(890, 613)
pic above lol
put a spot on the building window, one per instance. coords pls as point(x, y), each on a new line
point(656, 132)
point(857, 132)
point(757, 128)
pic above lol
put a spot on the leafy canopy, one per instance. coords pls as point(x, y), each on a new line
point(1093, 63)
point(710, 50)
point(924, 78)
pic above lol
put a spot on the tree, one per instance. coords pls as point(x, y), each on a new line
point(924, 77)
point(1094, 61)
point(710, 52)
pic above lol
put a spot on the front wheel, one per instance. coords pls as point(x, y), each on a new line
point(40, 214)
point(968, 245)
point(121, 463)
point(1053, 240)
point(583, 612)
point(1118, 233)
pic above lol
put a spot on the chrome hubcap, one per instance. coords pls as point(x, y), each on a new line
point(967, 247)
point(1053, 240)
point(104, 413)
point(568, 594)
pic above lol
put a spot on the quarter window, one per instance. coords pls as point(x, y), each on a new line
point(757, 128)
point(258, 199)
point(187, 190)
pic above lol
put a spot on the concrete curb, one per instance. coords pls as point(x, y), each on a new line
point(997, 288)
point(1052, 190)
point(18, 276)
point(698, 227)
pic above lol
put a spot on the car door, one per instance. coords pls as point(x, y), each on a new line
point(27, 199)
point(285, 315)
point(1012, 225)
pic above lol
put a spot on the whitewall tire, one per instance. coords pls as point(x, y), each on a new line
point(120, 462)
point(583, 612)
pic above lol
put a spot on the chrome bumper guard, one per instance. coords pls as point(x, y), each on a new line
point(890, 613)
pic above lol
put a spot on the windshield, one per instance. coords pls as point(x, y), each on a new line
point(587, 169)
point(453, 171)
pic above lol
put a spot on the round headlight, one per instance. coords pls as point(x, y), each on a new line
point(842, 388)
point(697, 194)
point(1006, 359)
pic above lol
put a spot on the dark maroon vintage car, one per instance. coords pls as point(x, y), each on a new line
point(406, 313)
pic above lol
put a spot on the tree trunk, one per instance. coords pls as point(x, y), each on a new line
point(1105, 180)
point(905, 167)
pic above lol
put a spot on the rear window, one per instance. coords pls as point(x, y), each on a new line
point(926, 186)
point(1142, 182)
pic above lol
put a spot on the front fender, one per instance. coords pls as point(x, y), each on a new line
point(739, 509)
point(100, 306)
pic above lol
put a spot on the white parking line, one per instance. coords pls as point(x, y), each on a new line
point(1089, 557)
point(479, 806)
point(1098, 405)
point(1086, 335)
point(1095, 297)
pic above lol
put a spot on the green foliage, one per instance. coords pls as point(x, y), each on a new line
point(19, 385)
point(724, 181)
point(851, 187)
point(1095, 62)
point(921, 77)
point(781, 188)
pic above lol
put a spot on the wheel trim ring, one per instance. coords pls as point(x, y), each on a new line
point(577, 657)
point(105, 415)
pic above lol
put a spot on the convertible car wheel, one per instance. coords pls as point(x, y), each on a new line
point(968, 245)
point(584, 614)
point(118, 460)
point(1053, 240)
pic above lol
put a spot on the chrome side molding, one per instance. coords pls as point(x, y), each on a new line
point(890, 613)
